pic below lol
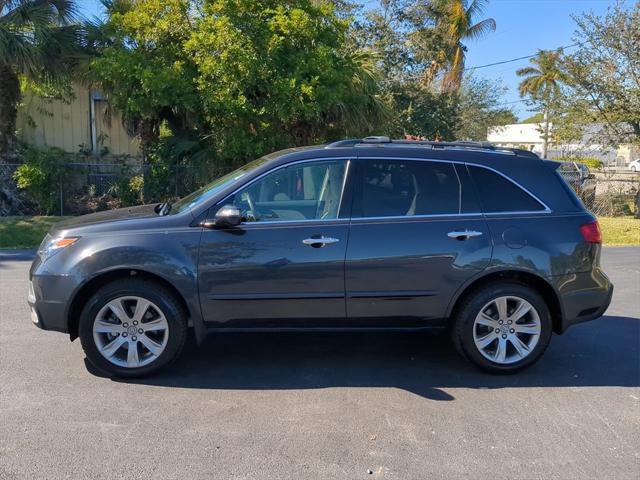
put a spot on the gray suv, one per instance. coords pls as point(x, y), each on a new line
point(490, 244)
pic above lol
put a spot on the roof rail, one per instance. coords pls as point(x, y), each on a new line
point(344, 143)
point(432, 144)
point(376, 139)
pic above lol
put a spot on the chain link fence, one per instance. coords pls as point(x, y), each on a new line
point(80, 188)
point(606, 193)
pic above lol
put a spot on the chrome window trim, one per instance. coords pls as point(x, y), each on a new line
point(336, 221)
point(285, 165)
point(446, 216)
point(417, 217)
point(349, 160)
point(458, 162)
point(522, 212)
point(526, 190)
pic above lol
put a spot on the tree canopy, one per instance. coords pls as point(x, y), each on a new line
point(605, 74)
point(251, 77)
point(40, 41)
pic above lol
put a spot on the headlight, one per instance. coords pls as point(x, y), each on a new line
point(52, 245)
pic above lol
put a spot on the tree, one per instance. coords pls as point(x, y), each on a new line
point(41, 41)
point(423, 113)
point(480, 108)
point(383, 31)
point(411, 40)
point(457, 21)
point(281, 75)
point(242, 78)
point(542, 84)
point(144, 69)
point(605, 74)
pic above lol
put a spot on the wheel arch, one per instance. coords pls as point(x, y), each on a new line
point(84, 293)
point(538, 283)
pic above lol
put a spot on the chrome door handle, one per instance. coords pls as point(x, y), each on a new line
point(320, 241)
point(464, 234)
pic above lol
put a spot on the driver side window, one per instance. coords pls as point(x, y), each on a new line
point(303, 191)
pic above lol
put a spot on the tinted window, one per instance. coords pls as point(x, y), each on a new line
point(499, 194)
point(304, 191)
point(468, 199)
point(405, 188)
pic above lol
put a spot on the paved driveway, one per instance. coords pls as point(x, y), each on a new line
point(294, 406)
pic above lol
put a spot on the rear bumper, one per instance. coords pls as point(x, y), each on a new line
point(584, 297)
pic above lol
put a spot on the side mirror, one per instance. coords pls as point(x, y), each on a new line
point(227, 216)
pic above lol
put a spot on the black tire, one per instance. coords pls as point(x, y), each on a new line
point(465, 315)
point(162, 298)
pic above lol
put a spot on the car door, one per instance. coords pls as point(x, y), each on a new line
point(417, 235)
point(284, 265)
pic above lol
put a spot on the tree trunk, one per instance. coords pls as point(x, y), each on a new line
point(9, 99)
point(10, 202)
point(149, 132)
point(545, 139)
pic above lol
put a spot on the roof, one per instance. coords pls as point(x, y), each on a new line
point(522, 166)
point(386, 142)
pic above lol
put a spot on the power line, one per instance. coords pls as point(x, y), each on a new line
point(516, 59)
point(511, 103)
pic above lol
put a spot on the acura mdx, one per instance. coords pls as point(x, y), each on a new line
point(488, 243)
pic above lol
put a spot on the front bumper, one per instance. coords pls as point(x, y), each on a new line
point(48, 297)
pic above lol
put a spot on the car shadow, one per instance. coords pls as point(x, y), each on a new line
point(600, 353)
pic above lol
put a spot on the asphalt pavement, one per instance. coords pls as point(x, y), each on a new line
point(307, 406)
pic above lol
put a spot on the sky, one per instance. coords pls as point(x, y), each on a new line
point(523, 27)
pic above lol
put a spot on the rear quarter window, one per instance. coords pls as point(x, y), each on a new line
point(499, 194)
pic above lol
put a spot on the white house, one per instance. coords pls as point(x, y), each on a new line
point(529, 136)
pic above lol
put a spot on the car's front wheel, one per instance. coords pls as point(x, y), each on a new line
point(132, 327)
point(503, 327)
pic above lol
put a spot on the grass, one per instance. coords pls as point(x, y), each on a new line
point(27, 232)
point(620, 230)
point(24, 232)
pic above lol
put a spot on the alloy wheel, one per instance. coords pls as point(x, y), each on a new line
point(130, 331)
point(507, 329)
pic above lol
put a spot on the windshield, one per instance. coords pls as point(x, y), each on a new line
point(209, 190)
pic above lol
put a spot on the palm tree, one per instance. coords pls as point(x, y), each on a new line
point(39, 41)
point(458, 23)
point(542, 82)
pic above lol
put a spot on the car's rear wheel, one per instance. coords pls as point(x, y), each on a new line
point(502, 327)
point(132, 328)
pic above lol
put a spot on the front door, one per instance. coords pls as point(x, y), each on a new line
point(416, 236)
point(284, 266)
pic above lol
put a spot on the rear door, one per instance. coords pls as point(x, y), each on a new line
point(417, 235)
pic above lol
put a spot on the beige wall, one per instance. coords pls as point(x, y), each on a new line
point(54, 123)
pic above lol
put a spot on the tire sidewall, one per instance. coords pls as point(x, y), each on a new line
point(479, 300)
point(160, 297)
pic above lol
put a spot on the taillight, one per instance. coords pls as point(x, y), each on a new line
point(591, 232)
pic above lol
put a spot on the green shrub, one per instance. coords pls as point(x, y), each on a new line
point(128, 189)
point(41, 175)
point(592, 163)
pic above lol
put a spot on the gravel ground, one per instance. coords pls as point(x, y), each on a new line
point(303, 406)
